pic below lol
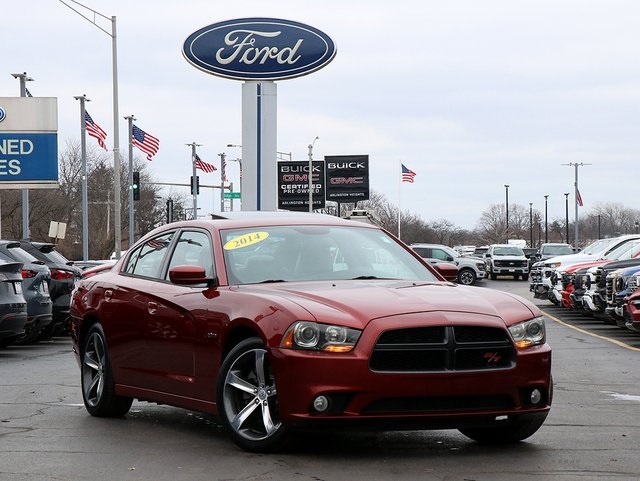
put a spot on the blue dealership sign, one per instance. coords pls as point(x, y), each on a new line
point(259, 49)
point(28, 158)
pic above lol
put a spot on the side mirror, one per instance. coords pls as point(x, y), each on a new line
point(446, 270)
point(449, 259)
point(190, 274)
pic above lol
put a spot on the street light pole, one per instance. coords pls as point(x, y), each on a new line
point(506, 203)
point(24, 78)
point(116, 130)
point(546, 219)
point(83, 149)
point(311, 174)
point(566, 215)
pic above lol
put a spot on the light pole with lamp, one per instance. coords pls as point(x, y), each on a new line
point(24, 78)
point(506, 204)
point(566, 215)
point(116, 129)
point(311, 174)
point(546, 219)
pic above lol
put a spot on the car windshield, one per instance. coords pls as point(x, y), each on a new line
point(21, 255)
point(508, 251)
point(624, 251)
point(597, 246)
point(559, 250)
point(304, 253)
point(55, 256)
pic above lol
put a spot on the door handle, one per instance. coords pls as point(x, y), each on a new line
point(152, 307)
point(108, 294)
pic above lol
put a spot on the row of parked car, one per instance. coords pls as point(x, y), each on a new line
point(35, 288)
point(601, 280)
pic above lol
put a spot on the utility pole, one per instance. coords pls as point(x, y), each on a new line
point(546, 219)
point(566, 216)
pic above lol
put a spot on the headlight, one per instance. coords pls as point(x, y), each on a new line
point(528, 333)
point(312, 336)
point(553, 265)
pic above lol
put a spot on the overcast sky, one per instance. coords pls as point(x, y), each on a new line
point(471, 95)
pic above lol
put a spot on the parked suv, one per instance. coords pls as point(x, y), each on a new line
point(35, 277)
point(506, 259)
point(470, 269)
point(63, 277)
point(13, 308)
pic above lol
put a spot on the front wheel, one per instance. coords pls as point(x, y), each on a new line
point(247, 398)
point(466, 277)
point(98, 387)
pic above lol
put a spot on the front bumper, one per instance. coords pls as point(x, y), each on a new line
point(448, 399)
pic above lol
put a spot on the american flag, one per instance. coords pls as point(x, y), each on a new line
point(407, 174)
point(579, 198)
point(144, 141)
point(94, 130)
point(200, 164)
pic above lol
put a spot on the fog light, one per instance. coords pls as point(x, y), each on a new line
point(321, 404)
point(536, 396)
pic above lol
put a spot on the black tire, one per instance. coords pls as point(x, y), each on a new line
point(247, 401)
point(505, 434)
point(30, 336)
point(516, 277)
point(525, 277)
point(466, 277)
point(493, 276)
point(98, 387)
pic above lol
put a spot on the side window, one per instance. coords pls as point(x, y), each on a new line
point(422, 251)
point(193, 248)
point(147, 260)
point(439, 254)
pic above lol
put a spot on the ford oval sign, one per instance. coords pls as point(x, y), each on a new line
point(259, 49)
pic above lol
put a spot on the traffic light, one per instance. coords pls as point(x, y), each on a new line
point(197, 189)
point(135, 186)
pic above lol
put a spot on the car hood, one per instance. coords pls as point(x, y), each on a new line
point(355, 303)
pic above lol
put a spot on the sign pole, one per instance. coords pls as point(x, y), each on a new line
point(23, 77)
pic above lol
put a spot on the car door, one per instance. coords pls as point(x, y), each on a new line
point(156, 334)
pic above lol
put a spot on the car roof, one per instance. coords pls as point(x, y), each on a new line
point(229, 220)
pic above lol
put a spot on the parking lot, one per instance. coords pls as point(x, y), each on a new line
point(591, 434)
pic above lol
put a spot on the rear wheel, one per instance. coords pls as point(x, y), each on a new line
point(247, 399)
point(98, 387)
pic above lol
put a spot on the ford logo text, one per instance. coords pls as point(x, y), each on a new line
point(259, 49)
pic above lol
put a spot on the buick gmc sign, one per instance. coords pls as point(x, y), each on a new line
point(259, 49)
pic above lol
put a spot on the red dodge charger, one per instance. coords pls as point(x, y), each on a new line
point(282, 322)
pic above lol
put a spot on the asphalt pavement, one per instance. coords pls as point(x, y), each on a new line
point(592, 432)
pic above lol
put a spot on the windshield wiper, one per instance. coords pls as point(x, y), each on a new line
point(270, 281)
point(371, 277)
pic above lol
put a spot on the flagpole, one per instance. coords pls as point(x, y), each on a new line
point(399, 196)
point(130, 119)
point(83, 149)
point(194, 183)
point(576, 192)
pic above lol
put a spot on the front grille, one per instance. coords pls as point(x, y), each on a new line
point(499, 263)
point(632, 285)
point(609, 290)
point(443, 348)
